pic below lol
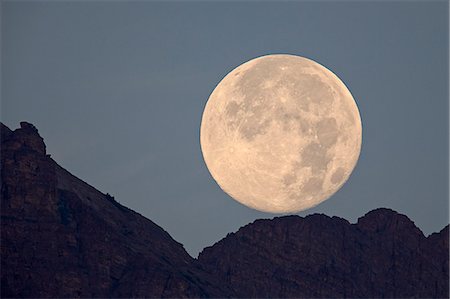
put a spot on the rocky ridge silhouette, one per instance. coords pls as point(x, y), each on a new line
point(60, 237)
point(383, 255)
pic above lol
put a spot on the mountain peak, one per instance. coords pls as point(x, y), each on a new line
point(94, 246)
point(25, 138)
point(28, 126)
point(383, 255)
point(386, 220)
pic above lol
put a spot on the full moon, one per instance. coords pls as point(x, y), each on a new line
point(281, 133)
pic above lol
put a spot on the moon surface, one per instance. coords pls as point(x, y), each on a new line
point(281, 133)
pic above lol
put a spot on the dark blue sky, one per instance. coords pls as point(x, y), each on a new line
point(117, 91)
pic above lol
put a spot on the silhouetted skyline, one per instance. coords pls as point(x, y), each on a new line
point(117, 90)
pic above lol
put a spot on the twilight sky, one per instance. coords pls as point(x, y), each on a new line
point(117, 90)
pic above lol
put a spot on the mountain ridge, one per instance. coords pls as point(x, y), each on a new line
point(71, 234)
point(370, 258)
point(62, 237)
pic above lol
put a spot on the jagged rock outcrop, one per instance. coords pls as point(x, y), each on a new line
point(61, 237)
point(383, 255)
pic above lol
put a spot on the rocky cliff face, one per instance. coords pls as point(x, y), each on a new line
point(383, 255)
point(60, 237)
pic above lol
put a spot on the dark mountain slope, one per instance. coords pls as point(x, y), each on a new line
point(61, 237)
point(383, 255)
